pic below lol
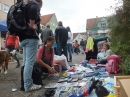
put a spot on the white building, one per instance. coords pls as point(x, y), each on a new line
point(79, 36)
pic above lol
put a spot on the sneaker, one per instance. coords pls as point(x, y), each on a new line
point(33, 87)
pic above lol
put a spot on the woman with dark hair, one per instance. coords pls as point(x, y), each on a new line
point(69, 44)
point(45, 56)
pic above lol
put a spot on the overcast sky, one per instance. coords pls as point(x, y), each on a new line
point(74, 13)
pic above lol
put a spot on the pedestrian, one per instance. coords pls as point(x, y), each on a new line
point(12, 43)
point(69, 44)
point(61, 36)
point(45, 33)
point(82, 45)
point(29, 41)
point(73, 47)
point(76, 46)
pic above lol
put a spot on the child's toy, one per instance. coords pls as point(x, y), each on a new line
point(85, 93)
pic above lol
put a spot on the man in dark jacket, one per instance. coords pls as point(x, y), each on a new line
point(45, 33)
point(29, 41)
point(61, 36)
point(82, 46)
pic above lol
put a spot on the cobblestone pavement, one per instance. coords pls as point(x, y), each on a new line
point(12, 80)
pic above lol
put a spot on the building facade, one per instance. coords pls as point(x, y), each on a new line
point(79, 37)
point(97, 26)
point(4, 8)
point(51, 20)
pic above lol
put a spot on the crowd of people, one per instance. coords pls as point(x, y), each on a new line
point(42, 55)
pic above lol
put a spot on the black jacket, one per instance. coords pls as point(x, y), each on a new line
point(32, 13)
point(61, 34)
point(81, 43)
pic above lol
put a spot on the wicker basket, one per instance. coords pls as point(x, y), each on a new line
point(116, 84)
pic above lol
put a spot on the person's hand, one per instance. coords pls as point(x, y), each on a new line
point(51, 70)
point(34, 26)
point(54, 70)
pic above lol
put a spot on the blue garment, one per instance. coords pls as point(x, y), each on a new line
point(69, 49)
point(55, 45)
point(102, 61)
point(30, 47)
point(101, 54)
point(60, 46)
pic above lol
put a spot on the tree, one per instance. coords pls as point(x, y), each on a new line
point(120, 34)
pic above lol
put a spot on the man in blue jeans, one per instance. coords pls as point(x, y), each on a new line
point(61, 36)
point(29, 41)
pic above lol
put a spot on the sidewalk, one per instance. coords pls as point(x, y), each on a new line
point(12, 80)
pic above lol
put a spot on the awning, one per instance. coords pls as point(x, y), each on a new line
point(3, 26)
point(100, 38)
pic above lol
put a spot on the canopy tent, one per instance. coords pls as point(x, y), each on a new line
point(100, 38)
point(3, 26)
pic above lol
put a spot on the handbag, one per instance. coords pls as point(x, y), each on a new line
point(100, 90)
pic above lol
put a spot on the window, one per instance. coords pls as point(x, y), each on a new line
point(5, 8)
point(0, 5)
point(103, 25)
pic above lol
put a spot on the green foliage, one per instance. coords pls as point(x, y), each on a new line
point(120, 34)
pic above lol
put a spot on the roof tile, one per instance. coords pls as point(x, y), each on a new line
point(46, 18)
point(90, 23)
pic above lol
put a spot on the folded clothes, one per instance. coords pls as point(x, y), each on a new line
point(102, 69)
point(91, 74)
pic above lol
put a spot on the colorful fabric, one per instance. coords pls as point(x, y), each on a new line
point(90, 44)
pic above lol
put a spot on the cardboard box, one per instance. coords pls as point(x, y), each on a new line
point(125, 87)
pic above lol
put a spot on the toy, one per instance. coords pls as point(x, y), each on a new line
point(85, 93)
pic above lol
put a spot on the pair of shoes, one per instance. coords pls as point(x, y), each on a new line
point(33, 87)
point(17, 66)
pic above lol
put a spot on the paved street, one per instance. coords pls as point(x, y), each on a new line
point(12, 80)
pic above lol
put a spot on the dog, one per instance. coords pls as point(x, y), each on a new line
point(4, 60)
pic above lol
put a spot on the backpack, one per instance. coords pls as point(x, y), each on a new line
point(16, 22)
point(113, 64)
